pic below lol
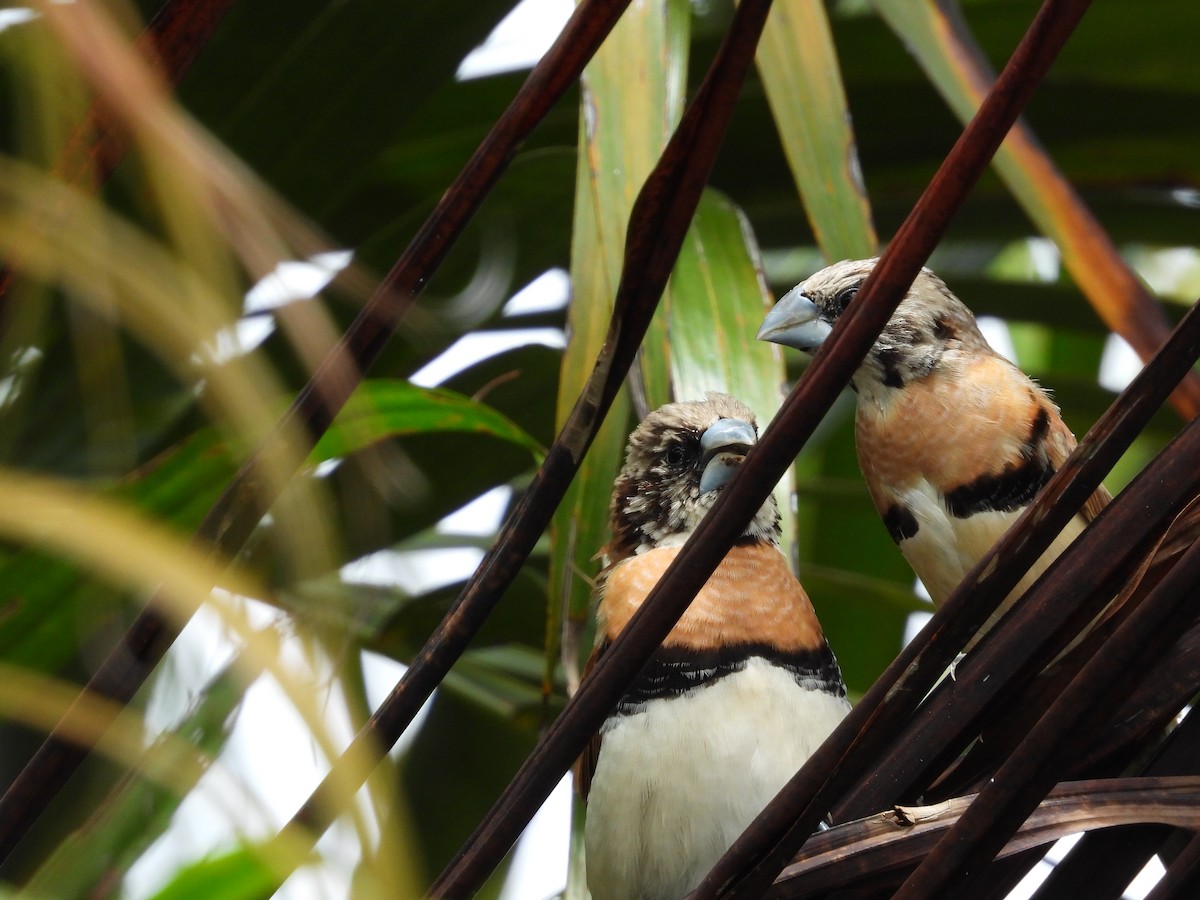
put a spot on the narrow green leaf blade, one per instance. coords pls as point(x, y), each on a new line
point(628, 113)
point(800, 72)
point(389, 408)
point(717, 300)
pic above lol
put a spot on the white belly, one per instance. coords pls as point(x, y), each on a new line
point(945, 548)
point(677, 783)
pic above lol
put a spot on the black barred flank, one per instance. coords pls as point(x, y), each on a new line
point(1006, 491)
point(1014, 486)
point(676, 671)
point(900, 522)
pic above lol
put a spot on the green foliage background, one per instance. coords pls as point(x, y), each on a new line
point(351, 113)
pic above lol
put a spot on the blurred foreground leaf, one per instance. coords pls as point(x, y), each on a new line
point(137, 811)
point(803, 83)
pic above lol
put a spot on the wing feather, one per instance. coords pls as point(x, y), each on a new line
point(585, 765)
point(1059, 444)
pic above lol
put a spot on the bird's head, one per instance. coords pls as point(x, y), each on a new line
point(676, 463)
point(929, 322)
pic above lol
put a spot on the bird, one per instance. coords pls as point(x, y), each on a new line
point(738, 696)
point(953, 440)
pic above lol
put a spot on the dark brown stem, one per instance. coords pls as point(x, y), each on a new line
point(875, 852)
point(1182, 879)
point(1103, 863)
point(1031, 771)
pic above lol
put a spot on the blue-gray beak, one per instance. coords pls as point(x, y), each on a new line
point(723, 446)
point(795, 322)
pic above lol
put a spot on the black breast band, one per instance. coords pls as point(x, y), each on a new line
point(676, 671)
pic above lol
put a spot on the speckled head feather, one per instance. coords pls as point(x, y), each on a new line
point(657, 499)
point(929, 324)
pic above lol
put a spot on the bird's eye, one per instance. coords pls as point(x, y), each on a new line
point(676, 455)
point(843, 297)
